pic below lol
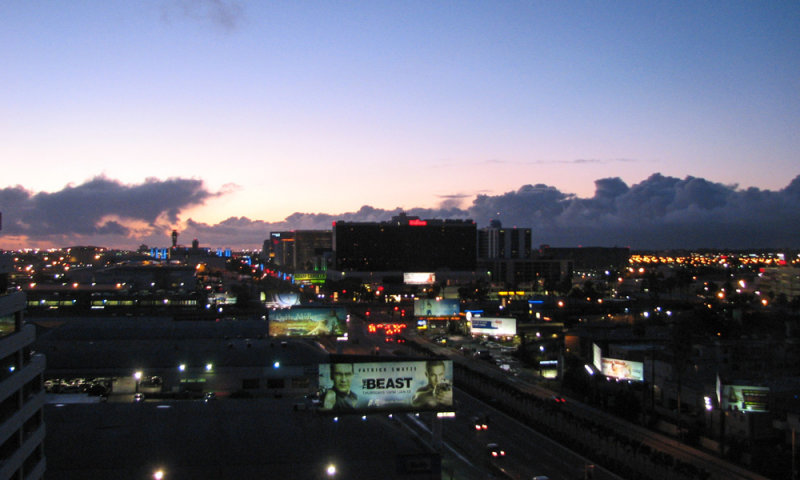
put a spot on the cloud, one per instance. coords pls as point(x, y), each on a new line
point(659, 212)
point(223, 14)
point(454, 201)
point(98, 207)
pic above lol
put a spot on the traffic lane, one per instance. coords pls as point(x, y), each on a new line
point(455, 464)
point(528, 453)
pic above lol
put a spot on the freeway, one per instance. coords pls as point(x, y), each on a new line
point(527, 453)
point(629, 448)
point(648, 453)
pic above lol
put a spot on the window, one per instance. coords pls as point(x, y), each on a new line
point(8, 325)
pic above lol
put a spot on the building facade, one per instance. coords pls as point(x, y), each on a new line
point(405, 244)
point(299, 250)
point(506, 254)
point(22, 396)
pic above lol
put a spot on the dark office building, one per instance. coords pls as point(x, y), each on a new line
point(405, 244)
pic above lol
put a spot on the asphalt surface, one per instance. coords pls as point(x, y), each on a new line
point(219, 440)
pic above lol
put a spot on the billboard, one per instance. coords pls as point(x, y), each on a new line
point(280, 300)
point(310, 278)
point(745, 398)
point(494, 326)
point(429, 307)
point(394, 386)
point(623, 369)
point(597, 357)
point(419, 278)
point(308, 321)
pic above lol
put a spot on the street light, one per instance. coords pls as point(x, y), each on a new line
point(158, 474)
point(331, 470)
point(138, 377)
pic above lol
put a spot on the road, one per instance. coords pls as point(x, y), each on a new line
point(649, 451)
point(528, 453)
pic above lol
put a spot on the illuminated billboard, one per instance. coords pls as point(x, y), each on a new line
point(494, 326)
point(394, 386)
point(745, 398)
point(280, 300)
point(623, 369)
point(308, 321)
point(419, 278)
point(597, 357)
point(310, 278)
point(432, 308)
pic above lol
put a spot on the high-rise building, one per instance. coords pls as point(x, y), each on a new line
point(502, 243)
point(508, 258)
point(405, 244)
point(22, 395)
point(299, 250)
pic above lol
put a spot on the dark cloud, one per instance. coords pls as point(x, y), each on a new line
point(99, 206)
point(659, 212)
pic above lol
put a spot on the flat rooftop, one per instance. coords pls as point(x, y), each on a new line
point(220, 439)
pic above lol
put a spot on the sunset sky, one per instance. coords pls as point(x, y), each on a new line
point(122, 120)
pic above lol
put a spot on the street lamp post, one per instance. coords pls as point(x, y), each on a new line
point(138, 377)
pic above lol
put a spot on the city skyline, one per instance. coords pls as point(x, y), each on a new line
point(644, 125)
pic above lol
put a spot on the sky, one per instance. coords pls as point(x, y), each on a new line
point(644, 124)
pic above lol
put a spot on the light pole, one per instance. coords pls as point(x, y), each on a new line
point(138, 377)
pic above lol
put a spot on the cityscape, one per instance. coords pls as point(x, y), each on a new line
point(674, 364)
point(514, 240)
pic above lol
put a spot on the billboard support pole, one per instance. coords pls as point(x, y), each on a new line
point(436, 431)
point(794, 462)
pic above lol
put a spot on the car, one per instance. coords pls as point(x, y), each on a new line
point(541, 477)
point(494, 451)
point(209, 396)
point(481, 423)
point(558, 399)
point(138, 397)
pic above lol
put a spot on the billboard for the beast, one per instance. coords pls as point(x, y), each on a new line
point(394, 386)
point(494, 326)
point(308, 322)
point(432, 308)
point(623, 369)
